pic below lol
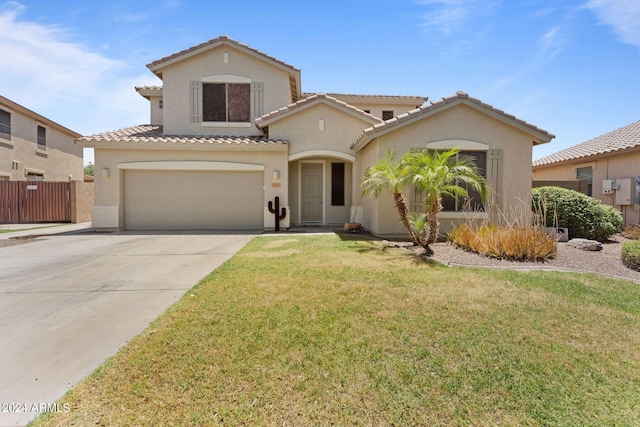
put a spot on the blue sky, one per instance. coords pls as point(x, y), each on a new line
point(571, 67)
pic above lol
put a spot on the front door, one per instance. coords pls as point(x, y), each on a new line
point(312, 195)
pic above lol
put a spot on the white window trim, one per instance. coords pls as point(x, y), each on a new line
point(461, 144)
point(226, 124)
point(225, 78)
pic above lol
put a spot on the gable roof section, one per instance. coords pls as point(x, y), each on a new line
point(302, 105)
point(294, 73)
point(540, 136)
point(152, 134)
point(375, 99)
point(625, 138)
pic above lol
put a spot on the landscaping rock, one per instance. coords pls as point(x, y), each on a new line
point(585, 244)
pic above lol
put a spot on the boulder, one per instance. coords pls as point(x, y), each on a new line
point(585, 244)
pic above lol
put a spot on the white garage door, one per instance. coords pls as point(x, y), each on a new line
point(182, 200)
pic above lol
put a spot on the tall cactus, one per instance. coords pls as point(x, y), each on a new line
point(276, 211)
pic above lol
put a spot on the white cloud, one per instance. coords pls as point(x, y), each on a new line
point(622, 15)
point(66, 81)
point(448, 16)
point(551, 43)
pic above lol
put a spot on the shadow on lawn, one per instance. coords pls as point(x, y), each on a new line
point(378, 245)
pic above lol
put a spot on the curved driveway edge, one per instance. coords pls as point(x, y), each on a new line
point(69, 301)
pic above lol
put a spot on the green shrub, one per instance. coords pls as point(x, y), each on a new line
point(584, 216)
point(631, 254)
point(514, 243)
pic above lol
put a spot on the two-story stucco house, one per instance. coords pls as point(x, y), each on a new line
point(34, 148)
point(231, 130)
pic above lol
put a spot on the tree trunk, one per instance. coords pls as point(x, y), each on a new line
point(433, 211)
point(403, 210)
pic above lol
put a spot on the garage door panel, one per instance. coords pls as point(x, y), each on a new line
point(193, 199)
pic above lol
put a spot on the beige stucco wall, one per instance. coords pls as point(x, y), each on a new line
point(621, 166)
point(459, 122)
point(60, 161)
point(176, 78)
point(307, 142)
point(107, 212)
point(156, 111)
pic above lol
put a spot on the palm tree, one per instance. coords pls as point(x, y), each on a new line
point(437, 174)
point(390, 175)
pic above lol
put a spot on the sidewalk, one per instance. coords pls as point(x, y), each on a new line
point(21, 230)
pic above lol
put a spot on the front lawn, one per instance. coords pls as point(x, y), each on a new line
point(317, 330)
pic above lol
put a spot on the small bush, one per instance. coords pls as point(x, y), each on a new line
point(584, 216)
point(519, 243)
point(632, 232)
point(631, 254)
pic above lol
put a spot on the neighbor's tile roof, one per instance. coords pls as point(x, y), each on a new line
point(620, 139)
point(153, 134)
point(269, 117)
point(213, 42)
point(434, 106)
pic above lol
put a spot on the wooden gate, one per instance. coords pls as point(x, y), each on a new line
point(35, 201)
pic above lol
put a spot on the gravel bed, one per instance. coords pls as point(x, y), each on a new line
point(606, 262)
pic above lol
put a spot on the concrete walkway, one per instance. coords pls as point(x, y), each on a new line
point(72, 297)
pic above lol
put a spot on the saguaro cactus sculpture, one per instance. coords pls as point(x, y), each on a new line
point(276, 211)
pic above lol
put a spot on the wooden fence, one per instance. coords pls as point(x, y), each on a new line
point(35, 201)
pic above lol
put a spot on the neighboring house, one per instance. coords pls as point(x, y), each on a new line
point(34, 148)
point(610, 164)
point(231, 130)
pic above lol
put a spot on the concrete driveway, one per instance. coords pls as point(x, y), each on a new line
point(69, 301)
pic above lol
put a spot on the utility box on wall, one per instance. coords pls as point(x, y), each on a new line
point(608, 186)
point(623, 192)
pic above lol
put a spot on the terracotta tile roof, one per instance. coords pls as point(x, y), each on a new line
point(213, 43)
point(152, 134)
point(406, 98)
point(434, 106)
point(321, 97)
point(620, 139)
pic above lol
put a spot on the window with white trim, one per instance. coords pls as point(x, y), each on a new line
point(5, 124)
point(472, 203)
point(586, 173)
point(226, 102)
point(42, 138)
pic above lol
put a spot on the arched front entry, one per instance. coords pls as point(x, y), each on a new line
point(320, 187)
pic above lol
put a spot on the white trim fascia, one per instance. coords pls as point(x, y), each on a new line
point(461, 144)
point(322, 153)
point(191, 166)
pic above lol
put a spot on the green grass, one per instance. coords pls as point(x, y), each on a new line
point(315, 330)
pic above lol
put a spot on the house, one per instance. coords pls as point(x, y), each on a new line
point(34, 148)
point(231, 130)
point(609, 163)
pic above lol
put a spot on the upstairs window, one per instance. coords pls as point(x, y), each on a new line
point(42, 137)
point(387, 114)
point(5, 124)
point(226, 102)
